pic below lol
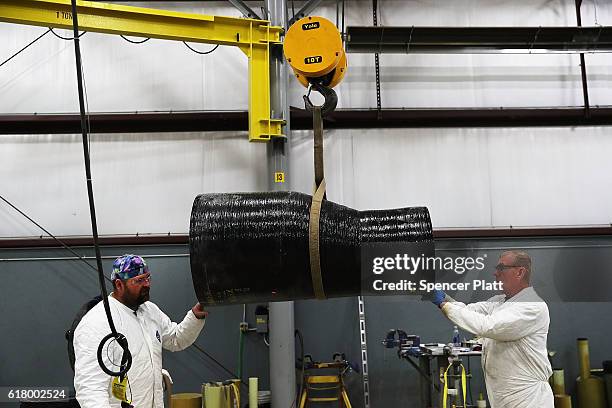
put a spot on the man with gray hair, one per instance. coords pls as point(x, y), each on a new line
point(514, 329)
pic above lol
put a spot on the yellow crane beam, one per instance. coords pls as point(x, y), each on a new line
point(253, 37)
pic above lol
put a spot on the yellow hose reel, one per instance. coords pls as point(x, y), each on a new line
point(314, 50)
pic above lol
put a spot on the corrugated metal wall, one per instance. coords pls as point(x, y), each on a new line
point(41, 296)
point(146, 183)
point(468, 177)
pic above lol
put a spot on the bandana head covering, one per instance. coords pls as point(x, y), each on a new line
point(128, 266)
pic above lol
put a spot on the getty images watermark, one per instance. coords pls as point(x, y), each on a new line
point(413, 268)
point(411, 265)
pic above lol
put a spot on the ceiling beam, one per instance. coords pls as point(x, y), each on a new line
point(473, 40)
point(306, 9)
point(244, 9)
point(208, 121)
point(183, 239)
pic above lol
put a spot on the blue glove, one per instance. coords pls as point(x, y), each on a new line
point(437, 297)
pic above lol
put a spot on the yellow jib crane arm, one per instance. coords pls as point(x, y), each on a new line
point(253, 37)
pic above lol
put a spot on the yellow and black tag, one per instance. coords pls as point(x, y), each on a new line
point(279, 177)
point(316, 59)
point(311, 26)
point(119, 389)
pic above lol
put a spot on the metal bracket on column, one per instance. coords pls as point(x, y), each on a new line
point(305, 10)
point(244, 9)
point(252, 36)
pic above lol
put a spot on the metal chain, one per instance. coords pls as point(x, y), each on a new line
point(377, 62)
point(364, 352)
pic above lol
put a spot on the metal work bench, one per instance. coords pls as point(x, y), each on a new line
point(431, 385)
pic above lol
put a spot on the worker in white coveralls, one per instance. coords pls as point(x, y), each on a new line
point(513, 328)
point(147, 330)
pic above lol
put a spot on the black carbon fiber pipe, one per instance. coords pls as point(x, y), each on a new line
point(253, 247)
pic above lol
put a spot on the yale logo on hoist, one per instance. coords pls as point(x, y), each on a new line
point(313, 48)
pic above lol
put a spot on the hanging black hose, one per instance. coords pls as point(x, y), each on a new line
point(298, 334)
point(126, 359)
point(24, 48)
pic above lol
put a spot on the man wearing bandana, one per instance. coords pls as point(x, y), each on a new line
point(147, 330)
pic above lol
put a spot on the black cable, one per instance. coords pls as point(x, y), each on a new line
point(111, 359)
point(233, 375)
point(107, 278)
point(123, 404)
point(86, 106)
point(65, 38)
point(132, 41)
point(265, 13)
point(130, 388)
point(425, 375)
point(342, 31)
point(85, 129)
point(126, 360)
point(338, 14)
point(24, 48)
point(469, 380)
point(50, 234)
point(201, 52)
point(298, 395)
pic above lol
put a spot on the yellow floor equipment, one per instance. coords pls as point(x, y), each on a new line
point(324, 388)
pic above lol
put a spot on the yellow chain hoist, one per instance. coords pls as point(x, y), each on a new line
point(314, 50)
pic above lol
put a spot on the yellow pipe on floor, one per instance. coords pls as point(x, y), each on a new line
point(591, 390)
point(563, 401)
point(187, 400)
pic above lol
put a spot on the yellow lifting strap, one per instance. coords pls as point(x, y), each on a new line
point(463, 385)
point(315, 207)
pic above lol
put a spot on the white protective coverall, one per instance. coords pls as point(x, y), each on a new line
point(514, 355)
point(147, 331)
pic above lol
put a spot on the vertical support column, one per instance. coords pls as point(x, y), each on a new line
point(282, 349)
